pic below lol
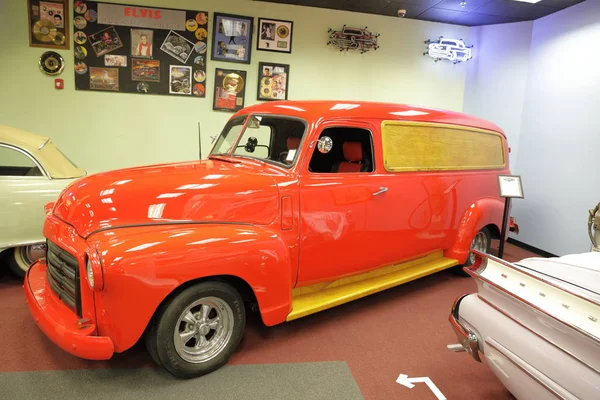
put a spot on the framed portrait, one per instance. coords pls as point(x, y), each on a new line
point(230, 89)
point(142, 43)
point(232, 38)
point(273, 81)
point(49, 24)
point(274, 35)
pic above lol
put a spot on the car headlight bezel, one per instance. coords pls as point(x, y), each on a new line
point(93, 269)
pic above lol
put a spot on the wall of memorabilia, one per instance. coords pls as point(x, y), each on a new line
point(133, 49)
point(280, 53)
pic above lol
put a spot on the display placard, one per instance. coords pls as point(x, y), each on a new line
point(510, 186)
point(137, 49)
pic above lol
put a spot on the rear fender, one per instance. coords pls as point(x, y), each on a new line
point(142, 266)
point(483, 212)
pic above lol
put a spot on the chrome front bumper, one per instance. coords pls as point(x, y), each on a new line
point(467, 339)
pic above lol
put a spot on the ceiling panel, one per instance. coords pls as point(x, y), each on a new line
point(473, 13)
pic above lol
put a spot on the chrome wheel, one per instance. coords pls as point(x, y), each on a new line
point(24, 256)
point(203, 329)
point(480, 243)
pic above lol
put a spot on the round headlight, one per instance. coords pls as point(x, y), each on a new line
point(90, 274)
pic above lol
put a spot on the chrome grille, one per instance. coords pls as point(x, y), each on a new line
point(63, 276)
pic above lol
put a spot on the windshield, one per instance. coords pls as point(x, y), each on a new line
point(267, 138)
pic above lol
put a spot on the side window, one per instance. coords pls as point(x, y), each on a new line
point(352, 151)
point(15, 163)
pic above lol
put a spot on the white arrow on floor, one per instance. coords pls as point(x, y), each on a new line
point(408, 382)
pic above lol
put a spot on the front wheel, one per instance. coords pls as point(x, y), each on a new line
point(481, 242)
point(197, 331)
point(20, 258)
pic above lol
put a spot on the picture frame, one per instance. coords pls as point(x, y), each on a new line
point(510, 186)
point(232, 38)
point(274, 35)
point(273, 81)
point(49, 24)
point(230, 90)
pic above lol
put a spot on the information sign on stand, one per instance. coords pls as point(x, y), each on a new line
point(510, 187)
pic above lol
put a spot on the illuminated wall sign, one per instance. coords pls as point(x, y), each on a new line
point(453, 50)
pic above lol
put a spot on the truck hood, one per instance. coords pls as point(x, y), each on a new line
point(200, 191)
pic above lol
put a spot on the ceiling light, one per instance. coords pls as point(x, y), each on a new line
point(529, 1)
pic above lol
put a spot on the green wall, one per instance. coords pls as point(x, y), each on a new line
point(101, 131)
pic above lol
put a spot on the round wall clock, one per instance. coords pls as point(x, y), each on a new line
point(51, 63)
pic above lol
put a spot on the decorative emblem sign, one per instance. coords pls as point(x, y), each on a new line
point(453, 50)
point(353, 39)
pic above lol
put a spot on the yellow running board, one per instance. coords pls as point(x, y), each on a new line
point(308, 300)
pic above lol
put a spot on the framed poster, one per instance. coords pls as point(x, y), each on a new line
point(510, 186)
point(232, 38)
point(230, 89)
point(137, 49)
point(273, 81)
point(49, 24)
point(274, 35)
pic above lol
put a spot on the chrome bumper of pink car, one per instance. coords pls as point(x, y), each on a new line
point(467, 339)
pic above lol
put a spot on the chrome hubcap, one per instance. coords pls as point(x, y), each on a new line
point(204, 328)
point(480, 243)
point(30, 254)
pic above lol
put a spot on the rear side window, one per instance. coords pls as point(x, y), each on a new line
point(413, 146)
point(15, 163)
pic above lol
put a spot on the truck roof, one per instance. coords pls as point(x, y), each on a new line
point(314, 110)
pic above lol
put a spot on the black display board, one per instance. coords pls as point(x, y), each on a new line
point(136, 49)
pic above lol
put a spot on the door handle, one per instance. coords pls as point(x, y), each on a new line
point(381, 190)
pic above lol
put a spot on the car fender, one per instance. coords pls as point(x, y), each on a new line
point(483, 212)
point(142, 266)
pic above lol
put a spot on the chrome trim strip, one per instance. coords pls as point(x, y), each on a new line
point(507, 315)
point(500, 288)
point(28, 155)
point(537, 278)
point(467, 339)
point(542, 384)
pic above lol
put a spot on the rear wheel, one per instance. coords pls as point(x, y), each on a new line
point(481, 242)
point(198, 330)
point(20, 258)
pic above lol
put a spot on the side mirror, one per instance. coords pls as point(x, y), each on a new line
point(251, 144)
point(325, 144)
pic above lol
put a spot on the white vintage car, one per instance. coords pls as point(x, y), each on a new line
point(536, 322)
point(449, 49)
point(33, 172)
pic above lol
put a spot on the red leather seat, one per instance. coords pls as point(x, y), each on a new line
point(293, 143)
point(354, 158)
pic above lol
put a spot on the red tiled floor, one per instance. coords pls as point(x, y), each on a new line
point(402, 330)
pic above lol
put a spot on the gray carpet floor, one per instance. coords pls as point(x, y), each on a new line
point(306, 381)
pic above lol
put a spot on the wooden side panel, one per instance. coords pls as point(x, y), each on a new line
point(413, 146)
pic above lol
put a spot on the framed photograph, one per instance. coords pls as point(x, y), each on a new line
point(273, 81)
point(49, 24)
point(141, 43)
point(105, 41)
point(274, 35)
point(145, 70)
point(230, 89)
point(510, 186)
point(180, 79)
point(177, 47)
point(104, 78)
point(232, 38)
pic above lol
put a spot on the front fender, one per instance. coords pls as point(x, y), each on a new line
point(483, 212)
point(142, 266)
